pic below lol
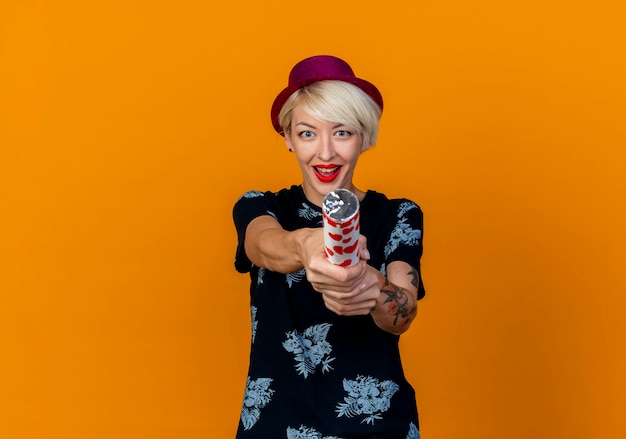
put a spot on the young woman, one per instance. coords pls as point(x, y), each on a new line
point(324, 360)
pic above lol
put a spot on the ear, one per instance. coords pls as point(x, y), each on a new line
point(364, 147)
point(288, 142)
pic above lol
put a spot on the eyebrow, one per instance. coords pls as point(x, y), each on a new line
point(313, 126)
point(305, 124)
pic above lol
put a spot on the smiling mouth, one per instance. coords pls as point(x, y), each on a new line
point(326, 174)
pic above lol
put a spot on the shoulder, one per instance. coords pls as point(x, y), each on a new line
point(249, 195)
point(285, 193)
point(253, 203)
point(281, 205)
point(398, 207)
point(260, 198)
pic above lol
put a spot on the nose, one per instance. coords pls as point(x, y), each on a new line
point(326, 148)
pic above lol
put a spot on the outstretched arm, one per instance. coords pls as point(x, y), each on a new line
point(396, 306)
point(268, 245)
point(343, 289)
point(391, 300)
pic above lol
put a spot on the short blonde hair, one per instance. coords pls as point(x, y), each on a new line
point(335, 101)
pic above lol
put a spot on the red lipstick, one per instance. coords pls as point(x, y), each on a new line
point(326, 173)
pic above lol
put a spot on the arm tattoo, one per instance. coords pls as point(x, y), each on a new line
point(414, 277)
point(398, 299)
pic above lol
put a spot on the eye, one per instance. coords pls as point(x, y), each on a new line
point(306, 134)
point(343, 133)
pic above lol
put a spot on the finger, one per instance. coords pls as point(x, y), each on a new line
point(349, 279)
point(363, 251)
point(351, 298)
point(335, 291)
point(361, 308)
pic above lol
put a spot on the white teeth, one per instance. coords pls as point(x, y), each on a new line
point(327, 171)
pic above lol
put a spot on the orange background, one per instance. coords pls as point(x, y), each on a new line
point(129, 128)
